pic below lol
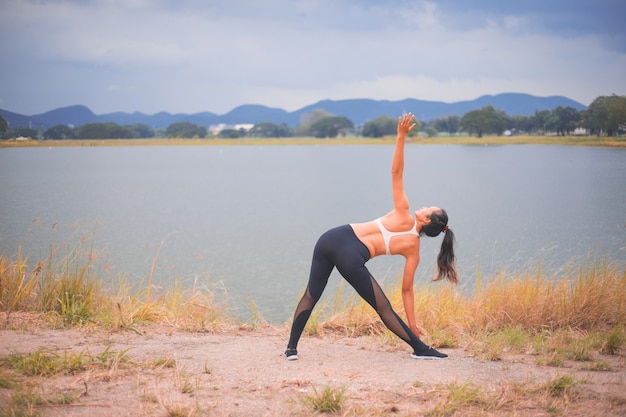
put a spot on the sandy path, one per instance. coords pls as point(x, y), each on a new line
point(242, 372)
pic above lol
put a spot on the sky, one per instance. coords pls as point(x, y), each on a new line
point(190, 56)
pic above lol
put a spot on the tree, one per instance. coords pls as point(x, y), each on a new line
point(307, 120)
point(185, 130)
point(379, 127)
point(104, 131)
point(264, 130)
point(201, 132)
point(24, 131)
point(4, 125)
point(540, 120)
point(448, 124)
point(522, 124)
point(331, 127)
point(485, 120)
point(606, 114)
point(565, 119)
point(430, 131)
point(141, 130)
point(284, 131)
point(60, 132)
point(472, 122)
point(230, 134)
point(270, 130)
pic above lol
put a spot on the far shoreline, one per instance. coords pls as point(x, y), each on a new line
point(602, 141)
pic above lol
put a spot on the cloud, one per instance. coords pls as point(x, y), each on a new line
point(194, 55)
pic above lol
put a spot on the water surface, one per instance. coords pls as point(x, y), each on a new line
point(248, 216)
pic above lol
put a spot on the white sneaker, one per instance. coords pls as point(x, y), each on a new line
point(430, 353)
point(291, 354)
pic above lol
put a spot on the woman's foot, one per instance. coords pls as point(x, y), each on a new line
point(429, 353)
point(291, 354)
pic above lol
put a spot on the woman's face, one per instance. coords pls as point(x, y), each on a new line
point(423, 215)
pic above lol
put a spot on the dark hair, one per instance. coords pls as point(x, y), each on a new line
point(445, 259)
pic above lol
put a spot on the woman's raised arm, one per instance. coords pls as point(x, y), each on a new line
point(400, 200)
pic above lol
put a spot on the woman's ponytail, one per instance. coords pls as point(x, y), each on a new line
point(445, 259)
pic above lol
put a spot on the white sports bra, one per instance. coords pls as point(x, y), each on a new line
point(387, 235)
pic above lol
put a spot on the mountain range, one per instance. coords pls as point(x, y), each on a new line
point(359, 111)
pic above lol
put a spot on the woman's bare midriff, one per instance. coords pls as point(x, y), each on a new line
point(370, 235)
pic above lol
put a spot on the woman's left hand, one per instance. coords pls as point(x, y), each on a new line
point(405, 124)
point(417, 331)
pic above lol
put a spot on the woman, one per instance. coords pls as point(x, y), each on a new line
point(349, 247)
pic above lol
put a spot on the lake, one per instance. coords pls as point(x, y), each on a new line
point(247, 217)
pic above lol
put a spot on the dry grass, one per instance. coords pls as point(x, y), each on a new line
point(571, 316)
point(64, 288)
point(579, 316)
point(563, 318)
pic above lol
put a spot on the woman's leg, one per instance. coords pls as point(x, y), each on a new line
point(367, 287)
point(350, 261)
point(341, 248)
point(321, 267)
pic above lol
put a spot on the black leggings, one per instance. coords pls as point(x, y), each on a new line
point(341, 248)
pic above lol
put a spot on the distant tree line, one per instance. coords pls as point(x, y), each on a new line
point(606, 116)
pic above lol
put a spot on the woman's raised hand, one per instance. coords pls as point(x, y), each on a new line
point(405, 124)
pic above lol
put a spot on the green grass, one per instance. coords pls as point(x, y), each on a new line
point(599, 366)
point(25, 402)
point(26, 396)
point(47, 363)
point(614, 341)
point(462, 397)
point(329, 400)
point(561, 386)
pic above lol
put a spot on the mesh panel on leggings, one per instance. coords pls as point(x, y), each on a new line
point(301, 316)
point(307, 302)
point(386, 313)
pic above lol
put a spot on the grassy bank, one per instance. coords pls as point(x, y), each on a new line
point(579, 316)
point(571, 317)
point(580, 312)
point(65, 291)
point(617, 142)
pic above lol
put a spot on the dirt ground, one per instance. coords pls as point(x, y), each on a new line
point(241, 372)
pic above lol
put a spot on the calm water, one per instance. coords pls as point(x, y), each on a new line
point(248, 216)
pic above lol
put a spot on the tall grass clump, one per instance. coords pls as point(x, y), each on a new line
point(349, 315)
point(66, 287)
point(587, 298)
point(462, 397)
point(62, 285)
point(511, 310)
point(44, 362)
point(614, 341)
point(17, 285)
point(329, 400)
point(195, 308)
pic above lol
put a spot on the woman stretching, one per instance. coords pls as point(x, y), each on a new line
point(349, 247)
